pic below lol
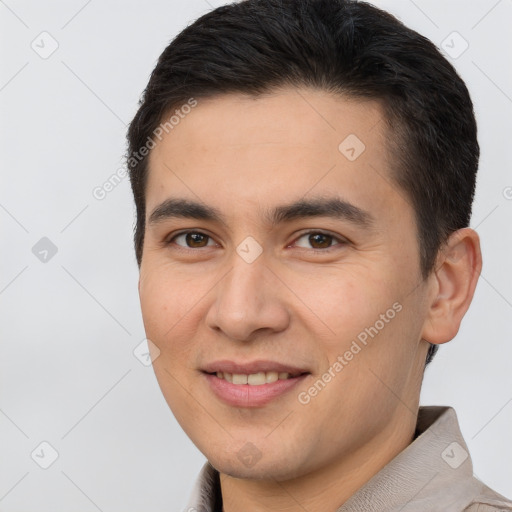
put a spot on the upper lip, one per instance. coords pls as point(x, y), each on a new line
point(251, 367)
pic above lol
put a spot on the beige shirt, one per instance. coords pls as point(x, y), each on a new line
point(433, 474)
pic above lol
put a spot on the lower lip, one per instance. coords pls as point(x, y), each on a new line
point(245, 395)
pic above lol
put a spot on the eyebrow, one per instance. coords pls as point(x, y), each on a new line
point(334, 207)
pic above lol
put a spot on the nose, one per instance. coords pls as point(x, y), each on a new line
point(248, 301)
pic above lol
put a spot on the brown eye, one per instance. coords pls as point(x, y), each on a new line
point(191, 239)
point(319, 240)
point(196, 239)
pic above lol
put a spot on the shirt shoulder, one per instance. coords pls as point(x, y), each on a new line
point(488, 507)
point(489, 501)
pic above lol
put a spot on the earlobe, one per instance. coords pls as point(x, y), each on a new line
point(454, 280)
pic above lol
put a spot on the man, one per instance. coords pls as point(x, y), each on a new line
point(303, 173)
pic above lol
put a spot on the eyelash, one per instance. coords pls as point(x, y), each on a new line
point(342, 241)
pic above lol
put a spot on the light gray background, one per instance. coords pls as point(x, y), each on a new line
point(68, 375)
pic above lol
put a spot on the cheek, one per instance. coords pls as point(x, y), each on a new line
point(372, 326)
point(166, 294)
point(345, 302)
point(165, 304)
point(164, 310)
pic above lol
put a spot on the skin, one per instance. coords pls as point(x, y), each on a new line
point(297, 302)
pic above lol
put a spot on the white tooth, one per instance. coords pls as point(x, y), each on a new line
point(239, 378)
point(219, 375)
point(256, 379)
point(271, 377)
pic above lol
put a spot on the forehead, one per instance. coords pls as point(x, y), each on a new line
point(283, 116)
point(286, 143)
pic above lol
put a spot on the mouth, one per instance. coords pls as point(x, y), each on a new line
point(252, 384)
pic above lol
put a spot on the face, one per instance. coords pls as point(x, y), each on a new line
point(287, 303)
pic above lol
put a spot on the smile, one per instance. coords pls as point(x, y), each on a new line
point(254, 379)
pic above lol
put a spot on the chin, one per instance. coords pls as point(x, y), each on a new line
point(279, 469)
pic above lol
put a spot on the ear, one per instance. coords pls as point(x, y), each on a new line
point(453, 284)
